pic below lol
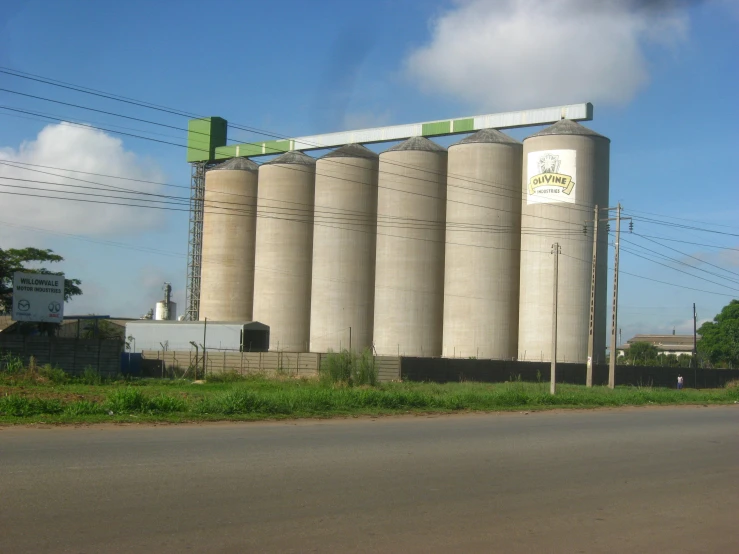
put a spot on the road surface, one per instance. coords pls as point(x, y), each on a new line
point(635, 480)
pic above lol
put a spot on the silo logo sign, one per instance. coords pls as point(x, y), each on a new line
point(551, 176)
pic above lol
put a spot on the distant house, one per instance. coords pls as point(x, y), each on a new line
point(679, 345)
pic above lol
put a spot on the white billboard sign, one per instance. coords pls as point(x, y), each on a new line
point(38, 297)
point(551, 176)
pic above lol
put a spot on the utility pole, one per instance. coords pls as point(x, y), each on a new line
point(694, 359)
point(614, 306)
point(553, 372)
point(591, 327)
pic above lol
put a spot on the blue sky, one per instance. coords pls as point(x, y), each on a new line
point(662, 76)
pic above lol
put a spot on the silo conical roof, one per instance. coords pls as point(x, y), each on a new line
point(567, 127)
point(492, 136)
point(292, 157)
point(236, 164)
point(353, 150)
point(417, 143)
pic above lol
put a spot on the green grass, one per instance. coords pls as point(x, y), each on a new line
point(257, 397)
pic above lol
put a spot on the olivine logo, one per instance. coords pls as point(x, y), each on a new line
point(551, 177)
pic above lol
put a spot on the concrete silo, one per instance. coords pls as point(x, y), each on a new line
point(343, 292)
point(229, 225)
point(565, 174)
point(409, 275)
point(284, 250)
point(483, 240)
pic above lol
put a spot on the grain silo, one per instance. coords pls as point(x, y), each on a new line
point(343, 292)
point(229, 225)
point(284, 250)
point(409, 276)
point(483, 240)
point(565, 174)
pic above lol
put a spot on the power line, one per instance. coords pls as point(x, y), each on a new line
point(680, 262)
point(678, 270)
point(185, 114)
point(148, 121)
point(622, 272)
point(690, 256)
point(44, 116)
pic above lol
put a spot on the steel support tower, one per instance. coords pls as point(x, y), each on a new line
point(195, 241)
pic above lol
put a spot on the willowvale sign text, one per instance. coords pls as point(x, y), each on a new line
point(38, 297)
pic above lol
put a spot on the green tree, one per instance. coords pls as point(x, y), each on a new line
point(641, 353)
point(17, 259)
point(719, 342)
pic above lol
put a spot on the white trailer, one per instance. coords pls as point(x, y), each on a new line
point(247, 336)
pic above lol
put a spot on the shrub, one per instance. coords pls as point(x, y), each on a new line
point(91, 376)
point(225, 377)
point(336, 367)
point(364, 370)
point(134, 400)
point(83, 407)
point(17, 405)
point(349, 368)
point(53, 374)
point(11, 364)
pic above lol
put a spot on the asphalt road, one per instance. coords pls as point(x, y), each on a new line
point(639, 480)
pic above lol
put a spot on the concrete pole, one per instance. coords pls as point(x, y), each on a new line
point(614, 307)
point(694, 358)
point(591, 326)
point(553, 373)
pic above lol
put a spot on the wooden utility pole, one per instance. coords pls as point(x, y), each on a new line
point(591, 327)
point(553, 373)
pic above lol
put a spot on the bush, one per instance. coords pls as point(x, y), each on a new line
point(349, 368)
point(16, 405)
point(364, 370)
point(53, 374)
point(225, 377)
point(91, 376)
point(11, 364)
point(134, 400)
point(83, 407)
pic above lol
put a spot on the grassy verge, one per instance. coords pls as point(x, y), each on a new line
point(257, 397)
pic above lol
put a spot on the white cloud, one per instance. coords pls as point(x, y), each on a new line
point(82, 149)
point(511, 54)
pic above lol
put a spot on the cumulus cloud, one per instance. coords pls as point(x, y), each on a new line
point(81, 149)
point(510, 54)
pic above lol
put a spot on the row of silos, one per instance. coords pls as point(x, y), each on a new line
point(418, 251)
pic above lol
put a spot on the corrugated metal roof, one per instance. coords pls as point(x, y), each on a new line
point(417, 143)
point(236, 164)
point(663, 339)
point(292, 157)
point(492, 136)
point(567, 127)
point(352, 151)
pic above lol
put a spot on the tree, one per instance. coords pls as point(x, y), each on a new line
point(16, 259)
point(641, 353)
point(719, 342)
